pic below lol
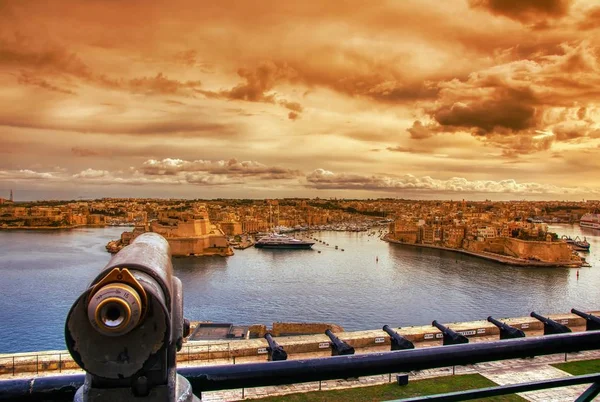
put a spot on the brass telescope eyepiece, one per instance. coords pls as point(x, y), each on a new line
point(115, 308)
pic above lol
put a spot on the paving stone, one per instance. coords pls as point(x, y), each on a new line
point(515, 375)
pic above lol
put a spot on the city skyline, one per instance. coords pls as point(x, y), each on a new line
point(474, 99)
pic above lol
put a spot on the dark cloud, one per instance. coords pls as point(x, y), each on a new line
point(506, 109)
point(363, 76)
point(259, 81)
point(259, 85)
point(525, 10)
point(514, 105)
point(43, 65)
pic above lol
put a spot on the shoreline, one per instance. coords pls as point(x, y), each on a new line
point(502, 259)
point(58, 227)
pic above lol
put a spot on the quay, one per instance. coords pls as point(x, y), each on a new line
point(502, 259)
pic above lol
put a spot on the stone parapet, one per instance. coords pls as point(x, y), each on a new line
point(298, 346)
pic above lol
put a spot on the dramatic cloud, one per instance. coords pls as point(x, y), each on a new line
point(485, 90)
point(510, 103)
point(525, 10)
point(259, 84)
point(505, 109)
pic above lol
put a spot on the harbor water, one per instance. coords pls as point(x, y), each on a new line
point(369, 284)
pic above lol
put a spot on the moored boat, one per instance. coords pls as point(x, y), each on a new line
point(282, 242)
point(590, 220)
point(577, 244)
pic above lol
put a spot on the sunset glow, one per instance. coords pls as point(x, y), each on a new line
point(425, 99)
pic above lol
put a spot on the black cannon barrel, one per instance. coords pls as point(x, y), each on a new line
point(275, 351)
point(213, 378)
point(506, 331)
point(592, 323)
point(551, 327)
point(338, 347)
point(208, 378)
point(450, 337)
point(398, 342)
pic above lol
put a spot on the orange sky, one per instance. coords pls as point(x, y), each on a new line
point(415, 98)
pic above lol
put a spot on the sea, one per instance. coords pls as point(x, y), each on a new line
point(368, 284)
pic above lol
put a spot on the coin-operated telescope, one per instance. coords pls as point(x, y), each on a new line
point(126, 328)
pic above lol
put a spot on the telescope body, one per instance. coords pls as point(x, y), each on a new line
point(126, 328)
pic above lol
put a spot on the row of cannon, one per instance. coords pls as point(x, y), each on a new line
point(450, 337)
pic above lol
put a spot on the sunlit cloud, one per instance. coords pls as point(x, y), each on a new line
point(336, 86)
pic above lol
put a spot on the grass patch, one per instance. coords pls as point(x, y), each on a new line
point(392, 391)
point(580, 368)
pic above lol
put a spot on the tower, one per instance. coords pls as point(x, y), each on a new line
point(11, 195)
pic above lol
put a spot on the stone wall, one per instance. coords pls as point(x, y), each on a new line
point(206, 245)
point(302, 328)
point(540, 250)
point(406, 237)
point(537, 250)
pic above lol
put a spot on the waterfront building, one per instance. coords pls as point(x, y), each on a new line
point(486, 232)
point(453, 236)
point(231, 228)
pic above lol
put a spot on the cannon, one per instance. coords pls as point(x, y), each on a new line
point(506, 331)
point(450, 337)
point(592, 323)
point(398, 341)
point(338, 347)
point(550, 326)
point(276, 352)
point(125, 329)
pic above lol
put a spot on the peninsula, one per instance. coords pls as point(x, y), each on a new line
point(508, 240)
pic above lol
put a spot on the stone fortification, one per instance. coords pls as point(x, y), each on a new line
point(299, 346)
point(545, 251)
point(188, 234)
